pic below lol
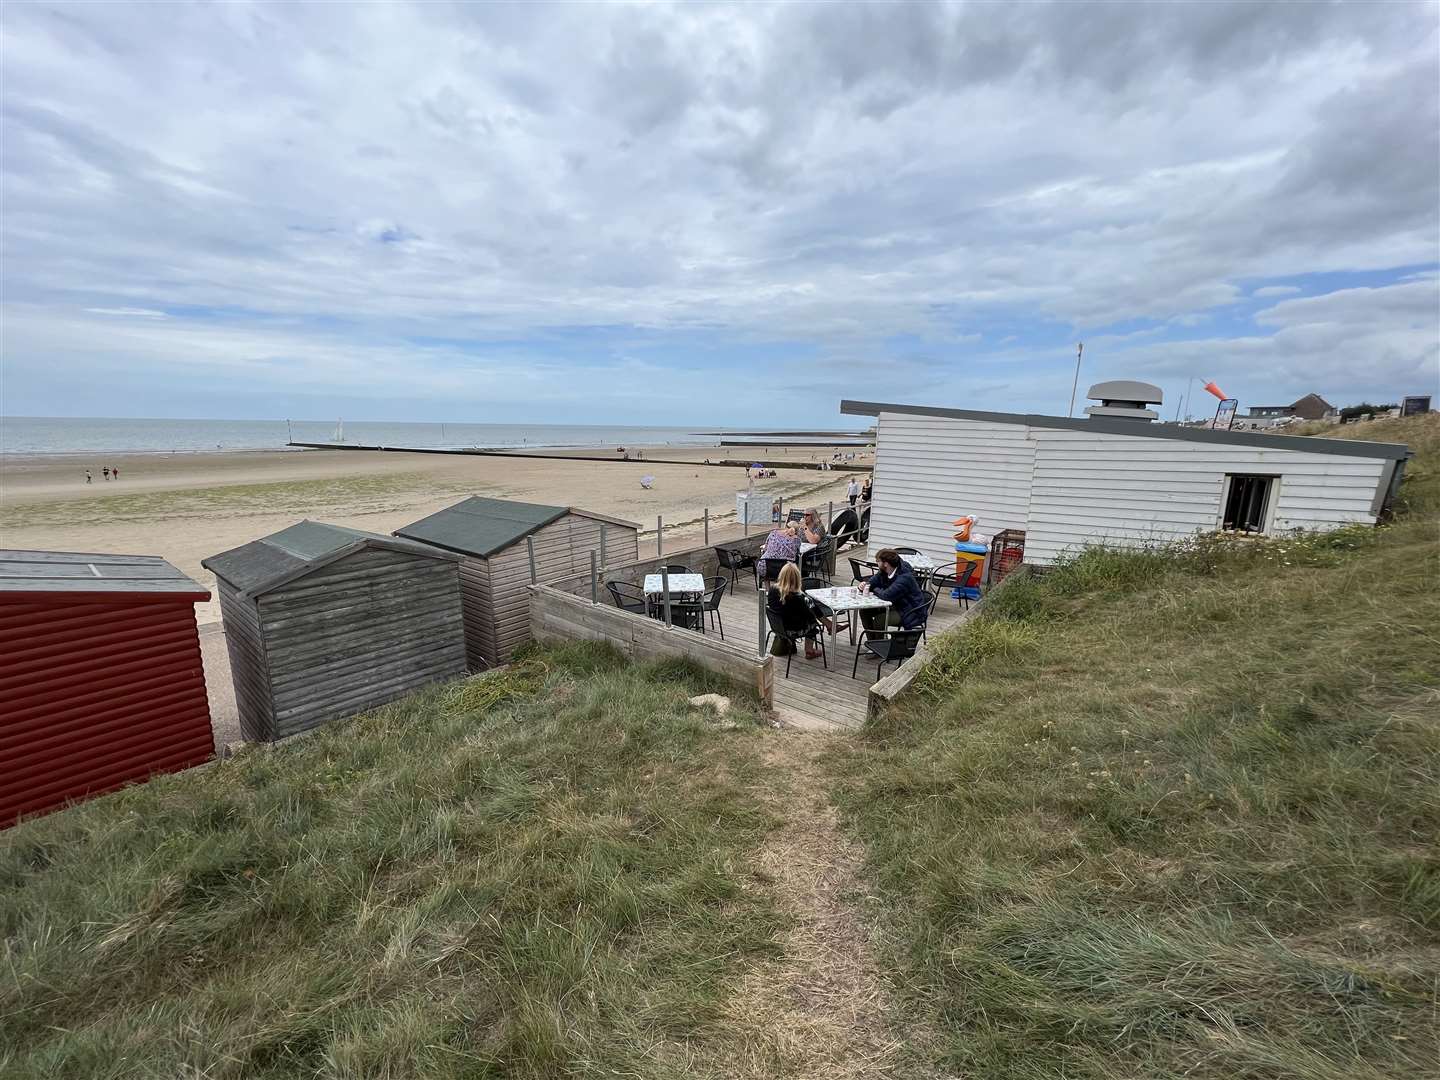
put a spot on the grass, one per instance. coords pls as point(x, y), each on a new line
point(352, 494)
point(1174, 813)
point(534, 874)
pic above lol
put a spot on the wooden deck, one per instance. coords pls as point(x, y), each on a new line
point(814, 697)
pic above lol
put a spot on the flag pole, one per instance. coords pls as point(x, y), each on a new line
point(1079, 350)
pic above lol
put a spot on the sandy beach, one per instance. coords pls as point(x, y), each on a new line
point(187, 506)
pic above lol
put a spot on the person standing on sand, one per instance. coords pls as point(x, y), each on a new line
point(87, 476)
point(105, 472)
point(852, 491)
point(114, 473)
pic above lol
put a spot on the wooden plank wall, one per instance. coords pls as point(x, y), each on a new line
point(559, 616)
point(562, 549)
point(249, 670)
point(364, 630)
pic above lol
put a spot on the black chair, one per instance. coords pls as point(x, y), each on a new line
point(942, 580)
point(862, 571)
point(673, 568)
point(906, 551)
point(688, 614)
point(794, 637)
point(888, 646)
point(770, 573)
point(627, 597)
point(929, 610)
point(821, 561)
point(736, 561)
point(715, 589)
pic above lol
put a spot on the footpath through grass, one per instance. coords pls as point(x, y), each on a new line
point(536, 874)
point(1162, 815)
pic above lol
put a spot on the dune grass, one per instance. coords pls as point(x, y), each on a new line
point(533, 874)
point(1163, 814)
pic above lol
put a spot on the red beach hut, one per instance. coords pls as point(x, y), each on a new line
point(101, 680)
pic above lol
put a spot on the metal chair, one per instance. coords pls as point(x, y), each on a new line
point(906, 551)
point(941, 580)
point(794, 637)
point(736, 561)
point(628, 597)
point(673, 568)
point(821, 561)
point(715, 589)
point(770, 573)
point(929, 610)
point(862, 571)
point(888, 646)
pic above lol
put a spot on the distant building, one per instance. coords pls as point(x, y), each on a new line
point(1309, 407)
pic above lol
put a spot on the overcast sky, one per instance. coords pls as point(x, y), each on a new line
point(710, 214)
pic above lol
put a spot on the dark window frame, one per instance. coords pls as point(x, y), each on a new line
point(1248, 501)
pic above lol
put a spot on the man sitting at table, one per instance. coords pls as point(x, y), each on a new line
point(895, 581)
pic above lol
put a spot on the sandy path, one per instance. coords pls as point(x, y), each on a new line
point(822, 1010)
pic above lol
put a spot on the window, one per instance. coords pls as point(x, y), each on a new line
point(1247, 502)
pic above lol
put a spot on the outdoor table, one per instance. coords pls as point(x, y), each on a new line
point(679, 583)
point(917, 562)
point(845, 598)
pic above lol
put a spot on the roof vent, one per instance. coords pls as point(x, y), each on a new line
point(1124, 399)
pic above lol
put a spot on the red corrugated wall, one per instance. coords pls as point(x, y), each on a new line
point(96, 694)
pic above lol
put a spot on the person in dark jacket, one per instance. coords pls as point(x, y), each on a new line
point(787, 600)
point(895, 581)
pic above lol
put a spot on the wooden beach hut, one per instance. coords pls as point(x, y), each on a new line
point(323, 622)
point(101, 681)
point(490, 534)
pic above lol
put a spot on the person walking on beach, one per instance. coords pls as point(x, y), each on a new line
point(105, 472)
point(852, 491)
point(87, 476)
point(865, 495)
point(114, 473)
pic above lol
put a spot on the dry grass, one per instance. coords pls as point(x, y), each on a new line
point(1165, 814)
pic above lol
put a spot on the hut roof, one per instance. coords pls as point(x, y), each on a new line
point(274, 560)
point(29, 574)
point(481, 527)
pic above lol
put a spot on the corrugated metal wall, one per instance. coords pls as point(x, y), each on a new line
point(95, 695)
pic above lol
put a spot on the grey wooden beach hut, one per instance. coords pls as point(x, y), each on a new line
point(490, 534)
point(323, 621)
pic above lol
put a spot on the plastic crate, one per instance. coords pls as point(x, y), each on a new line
point(1007, 551)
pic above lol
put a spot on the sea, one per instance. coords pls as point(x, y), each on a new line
point(111, 435)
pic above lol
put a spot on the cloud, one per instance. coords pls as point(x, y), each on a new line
point(1276, 290)
point(144, 313)
point(539, 185)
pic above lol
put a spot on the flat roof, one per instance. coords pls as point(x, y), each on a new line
point(1140, 429)
point(274, 560)
point(28, 574)
point(482, 527)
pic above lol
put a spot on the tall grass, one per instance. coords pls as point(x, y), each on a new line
point(1174, 813)
point(532, 874)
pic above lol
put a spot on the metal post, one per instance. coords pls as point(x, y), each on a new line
point(781, 501)
point(707, 526)
point(762, 596)
point(530, 548)
point(830, 521)
point(602, 546)
point(659, 537)
point(665, 592)
point(594, 580)
point(1074, 383)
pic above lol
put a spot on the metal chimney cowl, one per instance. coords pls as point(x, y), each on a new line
point(1124, 399)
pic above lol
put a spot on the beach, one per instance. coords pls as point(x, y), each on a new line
point(188, 506)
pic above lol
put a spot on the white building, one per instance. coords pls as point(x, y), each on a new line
point(1109, 478)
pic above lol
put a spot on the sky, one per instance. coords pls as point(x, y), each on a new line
point(710, 214)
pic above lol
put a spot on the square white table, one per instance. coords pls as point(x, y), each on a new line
point(679, 583)
point(845, 598)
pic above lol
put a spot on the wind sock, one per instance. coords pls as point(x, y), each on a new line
point(1215, 390)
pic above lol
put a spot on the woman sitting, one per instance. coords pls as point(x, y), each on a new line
point(787, 600)
point(783, 544)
